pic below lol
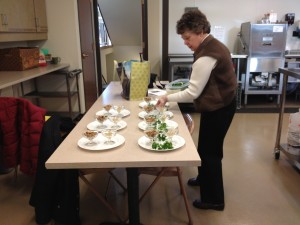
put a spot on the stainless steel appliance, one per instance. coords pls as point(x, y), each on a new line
point(265, 46)
point(180, 66)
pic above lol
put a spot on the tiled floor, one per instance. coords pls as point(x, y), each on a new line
point(259, 190)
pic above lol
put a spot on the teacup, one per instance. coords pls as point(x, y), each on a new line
point(55, 60)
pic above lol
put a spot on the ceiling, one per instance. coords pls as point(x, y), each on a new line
point(123, 20)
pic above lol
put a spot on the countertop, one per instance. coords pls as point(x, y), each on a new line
point(190, 58)
point(9, 78)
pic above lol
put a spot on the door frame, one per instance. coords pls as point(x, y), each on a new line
point(165, 40)
point(93, 47)
point(145, 28)
point(97, 48)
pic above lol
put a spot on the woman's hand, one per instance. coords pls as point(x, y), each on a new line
point(162, 101)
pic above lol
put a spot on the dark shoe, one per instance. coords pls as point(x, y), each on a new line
point(194, 181)
point(201, 205)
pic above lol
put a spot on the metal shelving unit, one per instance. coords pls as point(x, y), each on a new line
point(69, 94)
point(283, 147)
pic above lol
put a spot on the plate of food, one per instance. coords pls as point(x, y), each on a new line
point(95, 125)
point(155, 112)
point(178, 84)
point(143, 103)
point(176, 143)
point(153, 102)
point(143, 125)
point(99, 142)
point(113, 112)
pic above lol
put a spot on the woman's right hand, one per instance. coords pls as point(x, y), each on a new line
point(162, 101)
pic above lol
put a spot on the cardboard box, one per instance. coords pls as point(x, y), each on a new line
point(19, 58)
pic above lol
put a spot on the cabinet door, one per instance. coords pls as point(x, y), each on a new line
point(40, 15)
point(17, 16)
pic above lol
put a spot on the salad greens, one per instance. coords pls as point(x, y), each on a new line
point(178, 84)
point(161, 142)
point(162, 146)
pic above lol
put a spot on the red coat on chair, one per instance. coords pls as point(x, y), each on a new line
point(21, 124)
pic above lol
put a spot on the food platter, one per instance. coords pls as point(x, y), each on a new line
point(143, 125)
point(95, 125)
point(177, 142)
point(99, 143)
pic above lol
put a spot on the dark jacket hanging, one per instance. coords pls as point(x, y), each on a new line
point(55, 194)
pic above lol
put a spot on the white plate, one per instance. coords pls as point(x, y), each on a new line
point(143, 125)
point(158, 92)
point(178, 142)
point(153, 102)
point(95, 125)
point(142, 104)
point(113, 112)
point(99, 140)
point(155, 112)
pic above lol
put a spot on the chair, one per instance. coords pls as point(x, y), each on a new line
point(170, 171)
point(103, 199)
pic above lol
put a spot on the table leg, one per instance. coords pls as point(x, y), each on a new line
point(133, 196)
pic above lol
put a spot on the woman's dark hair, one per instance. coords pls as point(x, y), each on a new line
point(194, 21)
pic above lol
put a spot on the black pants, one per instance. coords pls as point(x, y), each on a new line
point(213, 128)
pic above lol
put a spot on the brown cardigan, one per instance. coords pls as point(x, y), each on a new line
point(221, 86)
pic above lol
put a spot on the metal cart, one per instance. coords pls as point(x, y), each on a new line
point(292, 72)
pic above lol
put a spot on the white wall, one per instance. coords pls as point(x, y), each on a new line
point(229, 15)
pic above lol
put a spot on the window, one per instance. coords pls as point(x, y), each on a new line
point(103, 35)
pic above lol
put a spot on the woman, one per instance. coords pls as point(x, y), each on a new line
point(212, 89)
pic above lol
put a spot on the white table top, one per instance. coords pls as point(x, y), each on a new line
point(130, 154)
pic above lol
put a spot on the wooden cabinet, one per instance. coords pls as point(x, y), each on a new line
point(40, 16)
point(22, 20)
point(17, 16)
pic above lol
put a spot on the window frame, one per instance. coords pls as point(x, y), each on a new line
point(104, 38)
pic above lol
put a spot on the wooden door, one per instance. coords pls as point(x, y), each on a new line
point(88, 52)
